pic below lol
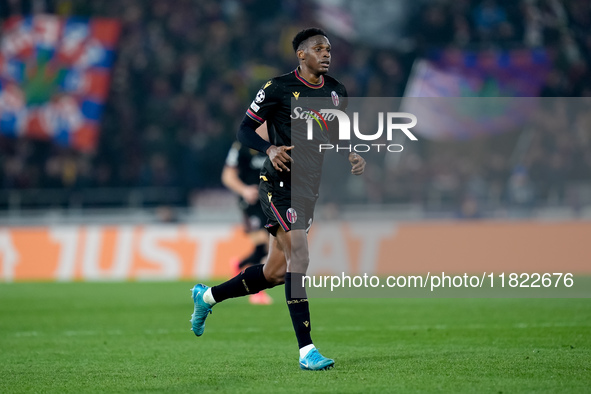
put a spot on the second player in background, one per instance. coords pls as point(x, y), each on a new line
point(241, 175)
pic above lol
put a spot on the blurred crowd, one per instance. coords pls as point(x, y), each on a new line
point(562, 27)
point(485, 177)
point(186, 70)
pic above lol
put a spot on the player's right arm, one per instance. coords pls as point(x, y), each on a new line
point(265, 103)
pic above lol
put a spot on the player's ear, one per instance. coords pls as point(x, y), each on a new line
point(300, 54)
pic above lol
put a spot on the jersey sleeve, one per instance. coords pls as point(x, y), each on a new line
point(232, 158)
point(265, 102)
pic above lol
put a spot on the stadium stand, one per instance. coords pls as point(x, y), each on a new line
point(186, 69)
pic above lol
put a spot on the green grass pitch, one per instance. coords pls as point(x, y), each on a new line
point(134, 337)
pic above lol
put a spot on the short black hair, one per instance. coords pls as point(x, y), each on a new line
point(305, 34)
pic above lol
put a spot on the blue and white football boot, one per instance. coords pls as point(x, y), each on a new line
point(201, 310)
point(314, 361)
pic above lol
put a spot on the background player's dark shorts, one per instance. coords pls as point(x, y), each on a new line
point(254, 217)
point(282, 210)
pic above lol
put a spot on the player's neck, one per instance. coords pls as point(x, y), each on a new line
point(312, 78)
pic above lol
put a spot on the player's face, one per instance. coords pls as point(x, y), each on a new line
point(317, 54)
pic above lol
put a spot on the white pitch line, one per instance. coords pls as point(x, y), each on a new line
point(164, 331)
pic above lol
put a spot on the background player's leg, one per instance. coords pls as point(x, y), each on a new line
point(260, 239)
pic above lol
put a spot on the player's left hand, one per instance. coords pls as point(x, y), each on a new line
point(358, 164)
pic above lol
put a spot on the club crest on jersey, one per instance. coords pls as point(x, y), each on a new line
point(261, 96)
point(291, 215)
point(335, 98)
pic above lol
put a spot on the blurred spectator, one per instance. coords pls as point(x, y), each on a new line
point(489, 20)
point(520, 191)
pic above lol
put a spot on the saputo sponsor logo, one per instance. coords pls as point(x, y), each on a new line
point(394, 122)
point(310, 114)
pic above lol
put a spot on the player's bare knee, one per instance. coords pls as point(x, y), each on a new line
point(275, 276)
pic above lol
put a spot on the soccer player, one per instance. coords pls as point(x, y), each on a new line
point(241, 175)
point(289, 210)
